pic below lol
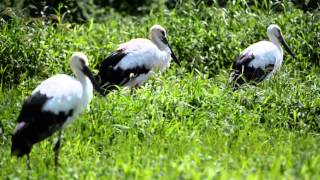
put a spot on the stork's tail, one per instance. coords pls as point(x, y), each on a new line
point(97, 78)
point(233, 77)
point(235, 80)
point(20, 146)
point(102, 90)
point(20, 143)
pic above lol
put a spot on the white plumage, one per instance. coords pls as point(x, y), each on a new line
point(52, 105)
point(265, 53)
point(67, 93)
point(260, 60)
point(143, 52)
point(132, 63)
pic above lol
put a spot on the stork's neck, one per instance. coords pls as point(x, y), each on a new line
point(161, 45)
point(275, 41)
point(85, 81)
point(87, 90)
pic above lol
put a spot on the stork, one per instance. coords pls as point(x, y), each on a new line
point(132, 63)
point(54, 104)
point(260, 60)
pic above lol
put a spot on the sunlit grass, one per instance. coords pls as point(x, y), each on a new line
point(183, 124)
point(198, 128)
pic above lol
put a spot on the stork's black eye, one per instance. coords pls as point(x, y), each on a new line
point(162, 32)
point(279, 31)
point(82, 61)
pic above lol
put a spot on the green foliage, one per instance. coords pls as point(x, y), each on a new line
point(77, 11)
point(205, 38)
point(196, 128)
point(185, 123)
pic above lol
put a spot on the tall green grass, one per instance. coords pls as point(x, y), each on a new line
point(198, 128)
point(205, 38)
point(185, 123)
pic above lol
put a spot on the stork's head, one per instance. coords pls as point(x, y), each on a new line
point(274, 34)
point(158, 35)
point(157, 32)
point(80, 67)
point(78, 62)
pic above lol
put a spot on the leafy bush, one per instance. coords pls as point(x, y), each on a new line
point(82, 11)
point(207, 39)
point(76, 11)
point(180, 124)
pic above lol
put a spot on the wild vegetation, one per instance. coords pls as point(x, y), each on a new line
point(184, 123)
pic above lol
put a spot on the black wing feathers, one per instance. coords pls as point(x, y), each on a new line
point(243, 60)
point(106, 67)
point(244, 73)
point(109, 77)
point(32, 106)
point(112, 60)
point(35, 124)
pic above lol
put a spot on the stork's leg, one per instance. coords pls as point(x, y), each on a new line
point(132, 90)
point(28, 167)
point(28, 162)
point(56, 150)
point(91, 115)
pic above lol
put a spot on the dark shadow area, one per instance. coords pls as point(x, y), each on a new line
point(82, 11)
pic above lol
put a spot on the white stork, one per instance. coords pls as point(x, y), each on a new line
point(260, 60)
point(52, 106)
point(132, 63)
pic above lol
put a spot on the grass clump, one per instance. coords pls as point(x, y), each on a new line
point(215, 36)
point(185, 123)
